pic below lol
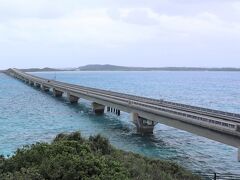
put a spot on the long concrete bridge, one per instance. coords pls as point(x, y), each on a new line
point(216, 125)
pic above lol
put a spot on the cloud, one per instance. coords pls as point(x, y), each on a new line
point(142, 16)
point(236, 6)
point(202, 24)
point(30, 9)
point(89, 26)
point(106, 26)
point(149, 28)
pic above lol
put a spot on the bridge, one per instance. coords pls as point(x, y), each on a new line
point(216, 125)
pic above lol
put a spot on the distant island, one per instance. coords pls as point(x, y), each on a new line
point(108, 67)
point(40, 69)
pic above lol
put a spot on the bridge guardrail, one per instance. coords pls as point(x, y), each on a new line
point(205, 109)
point(211, 121)
point(218, 176)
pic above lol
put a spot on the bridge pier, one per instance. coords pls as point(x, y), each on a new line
point(45, 88)
point(37, 85)
point(57, 93)
point(118, 112)
point(98, 108)
point(239, 154)
point(72, 99)
point(31, 83)
point(143, 125)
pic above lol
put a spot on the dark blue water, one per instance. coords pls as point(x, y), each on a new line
point(28, 115)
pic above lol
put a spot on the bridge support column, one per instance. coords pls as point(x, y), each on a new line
point(72, 99)
point(239, 154)
point(143, 125)
point(57, 93)
point(118, 112)
point(45, 88)
point(37, 85)
point(98, 108)
point(31, 83)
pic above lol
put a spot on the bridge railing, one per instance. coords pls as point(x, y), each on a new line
point(227, 125)
point(205, 109)
point(190, 107)
point(218, 176)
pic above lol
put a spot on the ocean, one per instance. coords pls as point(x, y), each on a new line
point(28, 115)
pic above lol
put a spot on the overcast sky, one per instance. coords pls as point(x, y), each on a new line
point(72, 33)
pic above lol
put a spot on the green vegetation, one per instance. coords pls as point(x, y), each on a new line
point(73, 157)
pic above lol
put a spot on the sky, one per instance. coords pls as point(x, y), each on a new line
point(149, 33)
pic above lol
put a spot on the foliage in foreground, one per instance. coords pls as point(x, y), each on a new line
point(73, 157)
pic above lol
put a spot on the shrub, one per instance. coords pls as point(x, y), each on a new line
point(70, 156)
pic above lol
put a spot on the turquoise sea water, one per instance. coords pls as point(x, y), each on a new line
point(28, 115)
